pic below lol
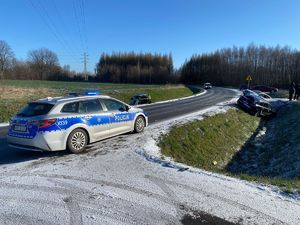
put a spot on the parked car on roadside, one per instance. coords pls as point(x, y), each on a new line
point(255, 104)
point(264, 88)
point(207, 86)
point(140, 99)
point(72, 122)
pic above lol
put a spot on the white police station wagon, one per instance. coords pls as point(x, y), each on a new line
point(72, 122)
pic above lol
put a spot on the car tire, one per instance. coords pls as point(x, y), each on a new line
point(77, 141)
point(139, 124)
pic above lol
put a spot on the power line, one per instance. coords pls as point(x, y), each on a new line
point(78, 25)
point(48, 24)
point(65, 27)
point(54, 26)
point(84, 24)
point(80, 15)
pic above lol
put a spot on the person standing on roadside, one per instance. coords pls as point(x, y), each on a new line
point(291, 91)
point(297, 92)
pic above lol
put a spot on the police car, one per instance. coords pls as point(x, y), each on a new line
point(72, 122)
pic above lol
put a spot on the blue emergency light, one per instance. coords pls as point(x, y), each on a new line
point(91, 93)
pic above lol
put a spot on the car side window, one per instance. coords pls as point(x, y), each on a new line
point(90, 106)
point(113, 105)
point(70, 108)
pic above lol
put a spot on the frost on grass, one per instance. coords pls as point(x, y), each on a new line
point(274, 149)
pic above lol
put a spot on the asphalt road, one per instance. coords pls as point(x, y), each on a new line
point(168, 110)
point(156, 113)
point(115, 182)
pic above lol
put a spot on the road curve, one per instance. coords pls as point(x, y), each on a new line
point(156, 113)
point(114, 183)
point(168, 110)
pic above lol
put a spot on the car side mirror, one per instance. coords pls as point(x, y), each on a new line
point(124, 109)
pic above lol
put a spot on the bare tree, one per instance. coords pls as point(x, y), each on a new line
point(6, 57)
point(43, 62)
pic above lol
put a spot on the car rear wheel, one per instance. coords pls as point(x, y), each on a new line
point(77, 141)
point(139, 124)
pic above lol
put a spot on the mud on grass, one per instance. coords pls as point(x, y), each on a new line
point(238, 144)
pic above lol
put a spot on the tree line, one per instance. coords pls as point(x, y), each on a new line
point(274, 66)
point(143, 68)
point(41, 64)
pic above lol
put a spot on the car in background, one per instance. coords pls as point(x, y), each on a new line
point(207, 86)
point(255, 104)
point(140, 99)
point(72, 122)
point(264, 88)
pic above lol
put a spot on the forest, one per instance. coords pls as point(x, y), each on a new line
point(274, 66)
point(135, 68)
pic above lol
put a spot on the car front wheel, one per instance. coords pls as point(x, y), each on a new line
point(139, 124)
point(77, 141)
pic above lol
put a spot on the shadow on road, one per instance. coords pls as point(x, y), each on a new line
point(10, 155)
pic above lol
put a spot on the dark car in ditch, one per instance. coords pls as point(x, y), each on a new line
point(255, 104)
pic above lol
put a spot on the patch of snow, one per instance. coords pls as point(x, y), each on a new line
point(126, 180)
point(4, 124)
point(151, 151)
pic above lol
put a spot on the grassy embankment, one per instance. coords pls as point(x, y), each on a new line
point(238, 144)
point(14, 94)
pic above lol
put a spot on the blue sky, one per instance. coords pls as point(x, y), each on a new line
point(180, 27)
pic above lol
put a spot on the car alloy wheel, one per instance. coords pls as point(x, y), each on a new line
point(77, 141)
point(139, 124)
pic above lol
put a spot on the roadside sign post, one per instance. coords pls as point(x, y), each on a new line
point(249, 78)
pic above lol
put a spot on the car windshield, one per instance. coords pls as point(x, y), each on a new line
point(35, 109)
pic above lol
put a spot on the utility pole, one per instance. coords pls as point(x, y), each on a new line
point(85, 59)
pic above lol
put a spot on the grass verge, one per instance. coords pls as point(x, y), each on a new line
point(240, 145)
point(14, 94)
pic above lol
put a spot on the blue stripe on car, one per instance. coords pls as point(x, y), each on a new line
point(67, 122)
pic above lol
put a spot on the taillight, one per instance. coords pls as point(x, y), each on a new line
point(46, 123)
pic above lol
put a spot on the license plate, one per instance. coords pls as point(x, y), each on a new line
point(20, 128)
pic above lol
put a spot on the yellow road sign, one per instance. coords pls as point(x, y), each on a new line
point(249, 78)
